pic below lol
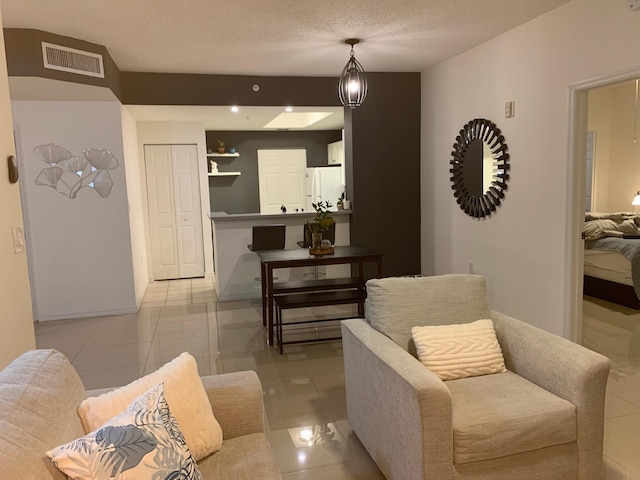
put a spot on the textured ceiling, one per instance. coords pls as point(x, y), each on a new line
point(275, 37)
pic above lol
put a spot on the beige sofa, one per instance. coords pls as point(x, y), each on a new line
point(543, 419)
point(39, 394)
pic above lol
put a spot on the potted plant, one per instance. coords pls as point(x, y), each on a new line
point(340, 203)
point(322, 221)
point(220, 146)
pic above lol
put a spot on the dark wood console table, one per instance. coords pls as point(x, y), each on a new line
point(300, 257)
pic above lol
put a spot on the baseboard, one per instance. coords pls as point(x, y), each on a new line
point(105, 313)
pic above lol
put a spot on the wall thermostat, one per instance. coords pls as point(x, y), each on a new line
point(633, 4)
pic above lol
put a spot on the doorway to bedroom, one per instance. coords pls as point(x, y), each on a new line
point(610, 320)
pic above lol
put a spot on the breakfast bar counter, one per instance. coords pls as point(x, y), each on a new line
point(236, 268)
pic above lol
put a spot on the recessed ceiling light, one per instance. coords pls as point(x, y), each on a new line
point(288, 109)
point(235, 109)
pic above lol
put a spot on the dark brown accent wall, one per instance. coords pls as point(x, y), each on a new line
point(241, 194)
point(384, 146)
point(24, 58)
point(196, 89)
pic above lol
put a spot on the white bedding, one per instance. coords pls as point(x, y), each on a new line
point(608, 265)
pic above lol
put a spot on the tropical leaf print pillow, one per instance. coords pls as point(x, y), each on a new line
point(142, 442)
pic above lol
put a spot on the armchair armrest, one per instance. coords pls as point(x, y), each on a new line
point(569, 371)
point(400, 410)
point(236, 400)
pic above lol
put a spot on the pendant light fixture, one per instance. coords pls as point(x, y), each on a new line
point(352, 88)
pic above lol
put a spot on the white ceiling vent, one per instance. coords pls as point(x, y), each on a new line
point(57, 57)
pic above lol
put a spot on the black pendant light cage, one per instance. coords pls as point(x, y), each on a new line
point(486, 204)
point(352, 88)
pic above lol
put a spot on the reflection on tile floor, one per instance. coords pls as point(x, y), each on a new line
point(614, 331)
point(303, 389)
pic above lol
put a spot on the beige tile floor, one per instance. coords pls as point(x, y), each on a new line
point(615, 332)
point(302, 388)
point(305, 386)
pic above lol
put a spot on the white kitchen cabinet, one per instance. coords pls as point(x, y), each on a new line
point(335, 153)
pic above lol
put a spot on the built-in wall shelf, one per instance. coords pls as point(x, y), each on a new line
point(225, 174)
point(232, 155)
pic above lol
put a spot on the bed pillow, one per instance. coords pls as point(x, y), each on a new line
point(185, 393)
point(459, 350)
point(144, 441)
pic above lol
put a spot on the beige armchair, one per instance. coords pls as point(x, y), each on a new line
point(543, 419)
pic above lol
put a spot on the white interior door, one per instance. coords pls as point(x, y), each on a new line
point(188, 211)
point(175, 222)
point(281, 177)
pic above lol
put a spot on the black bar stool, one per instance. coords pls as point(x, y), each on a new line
point(267, 237)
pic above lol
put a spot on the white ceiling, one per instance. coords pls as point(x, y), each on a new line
point(275, 37)
point(253, 37)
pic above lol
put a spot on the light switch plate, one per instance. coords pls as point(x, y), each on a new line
point(509, 109)
point(18, 239)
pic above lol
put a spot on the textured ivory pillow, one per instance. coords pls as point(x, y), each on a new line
point(459, 351)
point(185, 394)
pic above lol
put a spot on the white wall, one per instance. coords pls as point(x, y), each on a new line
point(137, 204)
point(624, 170)
point(521, 249)
point(599, 121)
point(80, 255)
point(16, 320)
point(163, 133)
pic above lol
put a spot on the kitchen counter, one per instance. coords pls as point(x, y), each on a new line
point(232, 217)
point(236, 267)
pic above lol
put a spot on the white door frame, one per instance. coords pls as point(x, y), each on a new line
point(576, 178)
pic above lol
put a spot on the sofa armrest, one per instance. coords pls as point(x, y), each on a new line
point(236, 400)
point(400, 410)
point(569, 371)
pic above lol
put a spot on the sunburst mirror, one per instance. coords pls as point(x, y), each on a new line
point(479, 168)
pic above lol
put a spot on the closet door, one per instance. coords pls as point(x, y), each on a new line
point(188, 211)
point(175, 221)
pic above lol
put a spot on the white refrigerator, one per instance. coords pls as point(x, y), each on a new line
point(323, 184)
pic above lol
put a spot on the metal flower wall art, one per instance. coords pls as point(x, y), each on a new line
point(67, 173)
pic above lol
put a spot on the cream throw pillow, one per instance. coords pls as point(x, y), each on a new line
point(185, 395)
point(460, 350)
point(144, 441)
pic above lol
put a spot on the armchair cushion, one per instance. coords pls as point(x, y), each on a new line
point(505, 414)
point(459, 351)
point(395, 305)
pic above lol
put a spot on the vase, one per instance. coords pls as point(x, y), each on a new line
point(316, 240)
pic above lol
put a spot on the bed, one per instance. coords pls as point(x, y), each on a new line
point(612, 258)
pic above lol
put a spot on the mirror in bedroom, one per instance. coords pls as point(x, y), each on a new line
point(479, 168)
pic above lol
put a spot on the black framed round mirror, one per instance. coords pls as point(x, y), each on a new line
point(479, 168)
